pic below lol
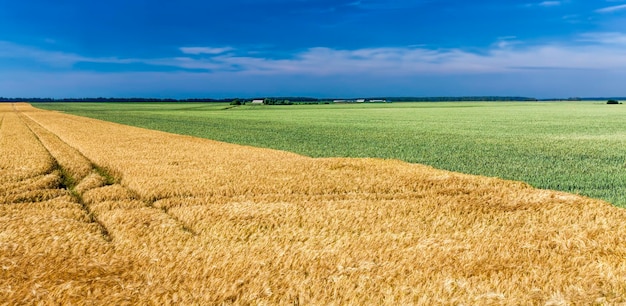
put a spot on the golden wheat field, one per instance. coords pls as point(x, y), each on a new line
point(93, 212)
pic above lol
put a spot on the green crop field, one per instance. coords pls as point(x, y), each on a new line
point(577, 147)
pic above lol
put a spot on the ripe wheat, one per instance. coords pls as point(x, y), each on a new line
point(162, 218)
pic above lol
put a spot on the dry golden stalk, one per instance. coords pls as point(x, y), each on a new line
point(91, 181)
point(21, 154)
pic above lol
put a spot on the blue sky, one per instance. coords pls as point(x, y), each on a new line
point(319, 48)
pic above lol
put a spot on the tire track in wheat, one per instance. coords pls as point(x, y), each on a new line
point(111, 178)
point(65, 158)
point(26, 171)
point(96, 189)
point(49, 249)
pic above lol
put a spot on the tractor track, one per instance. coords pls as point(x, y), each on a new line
point(109, 178)
point(67, 180)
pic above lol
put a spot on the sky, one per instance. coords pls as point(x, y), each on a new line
point(314, 48)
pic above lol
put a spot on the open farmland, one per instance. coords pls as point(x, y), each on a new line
point(93, 212)
point(576, 147)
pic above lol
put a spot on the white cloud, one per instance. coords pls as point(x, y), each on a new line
point(611, 9)
point(505, 42)
point(589, 54)
point(594, 51)
point(205, 50)
point(544, 4)
point(53, 58)
point(609, 38)
point(550, 3)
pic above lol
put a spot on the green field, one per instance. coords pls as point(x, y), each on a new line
point(577, 147)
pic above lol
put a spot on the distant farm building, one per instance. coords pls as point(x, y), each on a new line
point(258, 101)
point(361, 101)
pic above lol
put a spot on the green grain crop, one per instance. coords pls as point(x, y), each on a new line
point(577, 147)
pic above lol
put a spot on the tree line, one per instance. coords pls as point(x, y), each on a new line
point(291, 100)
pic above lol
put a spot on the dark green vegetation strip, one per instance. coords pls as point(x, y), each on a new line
point(577, 147)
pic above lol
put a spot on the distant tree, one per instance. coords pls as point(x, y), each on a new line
point(270, 101)
point(612, 102)
point(236, 102)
